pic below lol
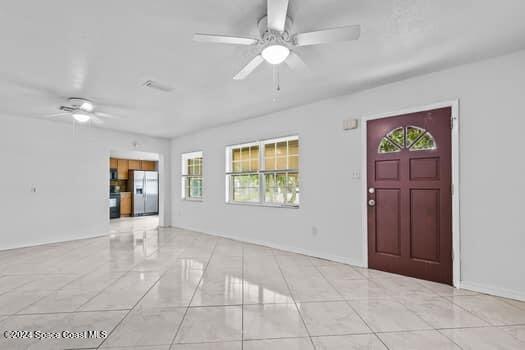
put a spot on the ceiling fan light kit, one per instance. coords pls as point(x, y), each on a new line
point(277, 39)
point(81, 116)
point(275, 54)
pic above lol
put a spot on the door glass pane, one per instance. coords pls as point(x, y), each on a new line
point(413, 132)
point(387, 147)
point(426, 142)
point(398, 136)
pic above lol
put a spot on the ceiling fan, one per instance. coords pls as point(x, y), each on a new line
point(82, 111)
point(277, 40)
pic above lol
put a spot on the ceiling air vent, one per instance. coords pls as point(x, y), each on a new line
point(158, 86)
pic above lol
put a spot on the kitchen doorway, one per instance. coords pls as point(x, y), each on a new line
point(135, 185)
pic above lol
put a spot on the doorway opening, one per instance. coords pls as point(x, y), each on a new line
point(136, 180)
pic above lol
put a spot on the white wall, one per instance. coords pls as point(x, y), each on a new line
point(492, 168)
point(70, 172)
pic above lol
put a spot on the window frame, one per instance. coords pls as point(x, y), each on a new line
point(185, 176)
point(261, 172)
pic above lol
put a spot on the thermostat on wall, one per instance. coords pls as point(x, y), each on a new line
point(350, 124)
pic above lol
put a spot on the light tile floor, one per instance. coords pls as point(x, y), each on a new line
point(167, 288)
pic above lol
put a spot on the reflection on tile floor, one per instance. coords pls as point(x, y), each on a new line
point(168, 288)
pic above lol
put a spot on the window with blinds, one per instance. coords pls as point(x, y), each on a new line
point(264, 172)
point(191, 177)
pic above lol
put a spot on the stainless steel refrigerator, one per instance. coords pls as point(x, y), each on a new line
point(145, 192)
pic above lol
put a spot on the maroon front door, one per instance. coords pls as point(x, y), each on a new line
point(409, 195)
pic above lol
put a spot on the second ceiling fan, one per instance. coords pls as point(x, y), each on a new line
point(277, 42)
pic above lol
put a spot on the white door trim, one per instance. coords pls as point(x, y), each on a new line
point(456, 236)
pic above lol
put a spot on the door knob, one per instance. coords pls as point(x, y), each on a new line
point(372, 203)
point(371, 190)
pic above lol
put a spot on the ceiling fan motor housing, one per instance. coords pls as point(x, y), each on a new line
point(270, 37)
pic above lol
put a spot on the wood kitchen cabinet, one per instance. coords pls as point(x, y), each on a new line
point(135, 164)
point(148, 165)
point(125, 203)
point(122, 169)
point(113, 163)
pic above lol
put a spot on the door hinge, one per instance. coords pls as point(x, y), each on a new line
point(452, 122)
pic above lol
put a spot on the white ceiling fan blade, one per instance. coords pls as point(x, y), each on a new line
point(327, 36)
point(55, 115)
point(277, 10)
point(223, 39)
point(107, 115)
point(296, 63)
point(250, 67)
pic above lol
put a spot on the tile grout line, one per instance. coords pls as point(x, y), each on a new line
point(351, 307)
point(437, 296)
point(295, 302)
point(124, 273)
point(193, 295)
point(130, 310)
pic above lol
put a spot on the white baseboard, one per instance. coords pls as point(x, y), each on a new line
point(52, 241)
point(496, 291)
point(336, 258)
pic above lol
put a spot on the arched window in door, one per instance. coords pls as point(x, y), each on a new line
point(411, 137)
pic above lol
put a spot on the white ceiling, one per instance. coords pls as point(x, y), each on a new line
point(106, 50)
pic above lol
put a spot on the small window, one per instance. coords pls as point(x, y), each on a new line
point(411, 137)
point(264, 172)
point(191, 177)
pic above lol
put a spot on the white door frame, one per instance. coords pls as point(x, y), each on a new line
point(456, 237)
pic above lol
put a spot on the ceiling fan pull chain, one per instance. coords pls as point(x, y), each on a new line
point(276, 82)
